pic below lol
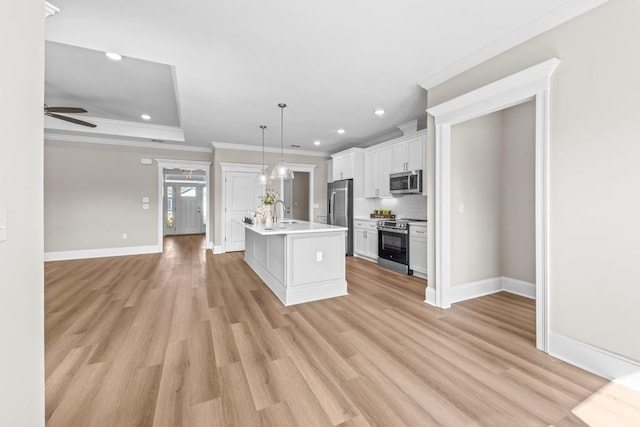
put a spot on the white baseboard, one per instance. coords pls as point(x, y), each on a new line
point(366, 258)
point(101, 253)
point(217, 249)
point(485, 287)
point(596, 360)
point(519, 287)
point(476, 289)
point(430, 297)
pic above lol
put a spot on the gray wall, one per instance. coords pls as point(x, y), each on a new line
point(517, 193)
point(594, 173)
point(255, 157)
point(475, 183)
point(300, 196)
point(492, 175)
point(21, 266)
point(93, 194)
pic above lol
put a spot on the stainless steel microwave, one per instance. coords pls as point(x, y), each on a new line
point(409, 182)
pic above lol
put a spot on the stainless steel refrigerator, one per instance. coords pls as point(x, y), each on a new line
point(340, 208)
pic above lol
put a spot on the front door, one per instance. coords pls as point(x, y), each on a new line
point(183, 209)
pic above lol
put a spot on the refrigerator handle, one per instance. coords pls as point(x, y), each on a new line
point(332, 201)
point(346, 205)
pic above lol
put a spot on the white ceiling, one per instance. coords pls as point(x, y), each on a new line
point(333, 61)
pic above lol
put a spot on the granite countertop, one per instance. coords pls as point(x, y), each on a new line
point(293, 227)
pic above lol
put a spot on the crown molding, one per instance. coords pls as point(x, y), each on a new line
point(50, 9)
point(245, 147)
point(117, 128)
point(124, 142)
point(562, 14)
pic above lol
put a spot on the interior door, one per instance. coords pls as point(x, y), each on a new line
point(188, 209)
point(241, 196)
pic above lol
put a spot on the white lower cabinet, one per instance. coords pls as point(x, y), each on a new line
point(418, 249)
point(366, 238)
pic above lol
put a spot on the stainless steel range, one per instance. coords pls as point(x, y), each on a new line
point(393, 245)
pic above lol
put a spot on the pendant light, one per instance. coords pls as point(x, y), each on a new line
point(263, 179)
point(281, 171)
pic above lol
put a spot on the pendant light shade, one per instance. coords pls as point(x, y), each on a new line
point(281, 170)
point(263, 179)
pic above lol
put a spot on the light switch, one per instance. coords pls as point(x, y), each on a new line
point(145, 199)
point(146, 161)
point(145, 206)
point(3, 225)
point(318, 256)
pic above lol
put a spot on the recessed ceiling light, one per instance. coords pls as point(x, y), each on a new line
point(146, 117)
point(316, 142)
point(113, 56)
point(341, 131)
point(379, 112)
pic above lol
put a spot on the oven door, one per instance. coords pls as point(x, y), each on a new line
point(393, 245)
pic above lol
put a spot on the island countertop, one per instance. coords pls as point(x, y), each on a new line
point(292, 227)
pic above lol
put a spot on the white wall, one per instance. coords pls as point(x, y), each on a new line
point(594, 278)
point(21, 255)
point(93, 194)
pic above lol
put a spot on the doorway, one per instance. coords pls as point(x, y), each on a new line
point(183, 199)
point(533, 83)
point(295, 195)
point(184, 208)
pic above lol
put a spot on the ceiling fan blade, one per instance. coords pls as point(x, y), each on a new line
point(71, 119)
point(65, 110)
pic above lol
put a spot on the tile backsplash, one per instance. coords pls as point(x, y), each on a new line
point(409, 206)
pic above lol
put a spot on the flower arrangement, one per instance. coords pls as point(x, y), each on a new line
point(270, 196)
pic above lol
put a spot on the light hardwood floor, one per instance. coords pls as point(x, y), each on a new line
point(186, 338)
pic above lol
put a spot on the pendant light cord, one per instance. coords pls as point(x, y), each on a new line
point(263, 127)
point(282, 106)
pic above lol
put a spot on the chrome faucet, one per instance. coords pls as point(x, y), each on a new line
point(275, 210)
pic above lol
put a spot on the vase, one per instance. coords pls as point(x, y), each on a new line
point(268, 221)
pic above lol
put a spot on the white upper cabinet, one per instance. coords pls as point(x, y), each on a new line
point(347, 164)
point(408, 154)
point(377, 167)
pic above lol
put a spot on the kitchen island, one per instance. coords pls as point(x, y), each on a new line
point(299, 261)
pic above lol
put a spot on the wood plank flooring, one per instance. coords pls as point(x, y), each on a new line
point(186, 338)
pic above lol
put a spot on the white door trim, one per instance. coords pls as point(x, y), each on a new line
point(534, 83)
point(182, 164)
point(224, 169)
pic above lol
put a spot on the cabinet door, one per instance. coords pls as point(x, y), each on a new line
point(330, 170)
point(399, 157)
point(415, 154)
point(360, 242)
point(371, 174)
point(338, 168)
point(372, 243)
point(384, 169)
point(418, 254)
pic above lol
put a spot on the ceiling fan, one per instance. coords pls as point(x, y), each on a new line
point(51, 112)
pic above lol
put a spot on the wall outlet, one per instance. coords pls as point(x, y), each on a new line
point(145, 206)
point(145, 199)
point(318, 256)
point(124, 236)
point(461, 208)
point(146, 161)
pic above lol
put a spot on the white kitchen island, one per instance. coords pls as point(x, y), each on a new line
point(300, 261)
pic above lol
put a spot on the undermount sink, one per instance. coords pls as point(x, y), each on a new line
point(288, 221)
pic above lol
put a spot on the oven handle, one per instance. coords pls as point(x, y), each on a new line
point(393, 230)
